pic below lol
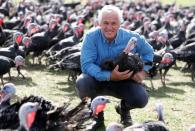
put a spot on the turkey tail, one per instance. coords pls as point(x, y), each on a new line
point(45, 105)
point(58, 113)
point(85, 102)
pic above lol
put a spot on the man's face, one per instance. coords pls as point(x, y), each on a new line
point(109, 25)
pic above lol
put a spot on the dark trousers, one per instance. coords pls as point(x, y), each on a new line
point(133, 93)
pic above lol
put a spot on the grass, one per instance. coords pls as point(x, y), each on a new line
point(180, 2)
point(177, 97)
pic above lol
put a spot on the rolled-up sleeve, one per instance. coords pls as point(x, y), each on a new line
point(88, 60)
point(146, 52)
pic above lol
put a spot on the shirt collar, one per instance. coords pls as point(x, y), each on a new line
point(115, 41)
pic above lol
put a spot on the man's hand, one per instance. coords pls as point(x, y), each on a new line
point(139, 76)
point(117, 76)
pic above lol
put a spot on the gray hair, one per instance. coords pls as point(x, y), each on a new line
point(110, 8)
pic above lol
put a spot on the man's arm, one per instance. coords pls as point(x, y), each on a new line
point(88, 60)
point(145, 50)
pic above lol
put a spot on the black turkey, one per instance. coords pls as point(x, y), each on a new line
point(64, 52)
point(40, 41)
point(67, 42)
point(71, 63)
point(5, 8)
point(82, 117)
point(14, 39)
point(179, 38)
point(7, 64)
point(125, 60)
point(2, 35)
point(62, 119)
point(155, 67)
point(186, 54)
point(9, 117)
point(65, 31)
point(48, 117)
point(155, 64)
point(168, 60)
point(11, 52)
point(14, 47)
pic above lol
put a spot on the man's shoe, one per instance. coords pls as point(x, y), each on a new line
point(125, 116)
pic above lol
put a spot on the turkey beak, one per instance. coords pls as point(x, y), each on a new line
point(108, 101)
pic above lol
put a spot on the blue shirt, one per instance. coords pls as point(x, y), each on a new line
point(96, 49)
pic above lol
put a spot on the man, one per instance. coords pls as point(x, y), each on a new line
point(106, 42)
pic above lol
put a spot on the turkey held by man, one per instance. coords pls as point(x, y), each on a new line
point(126, 60)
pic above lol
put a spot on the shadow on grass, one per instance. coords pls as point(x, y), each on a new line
point(190, 84)
point(165, 92)
point(20, 81)
point(57, 72)
point(34, 67)
point(69, 88)
point(44, 68)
